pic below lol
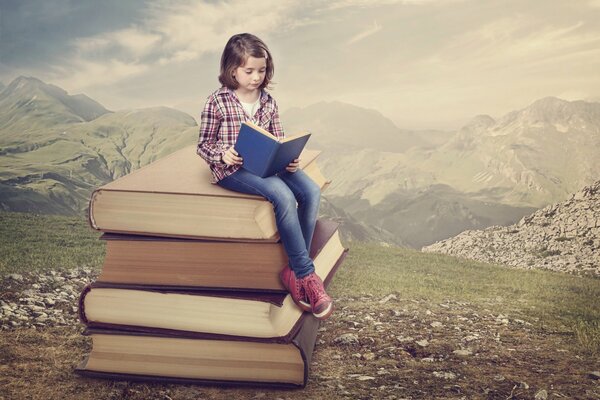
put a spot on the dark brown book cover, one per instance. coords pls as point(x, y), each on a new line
point(274, 298)
point(304, 339)
point(206, 271)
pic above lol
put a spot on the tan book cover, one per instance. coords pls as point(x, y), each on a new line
point(212, 360)
point(174, 196)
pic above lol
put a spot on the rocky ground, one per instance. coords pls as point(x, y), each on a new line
point(372, 348)
point(561, 237)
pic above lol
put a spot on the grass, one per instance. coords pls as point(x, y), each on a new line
point(557, 302)
point(36, 243)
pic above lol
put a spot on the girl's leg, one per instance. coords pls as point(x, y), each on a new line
point(279, 194)
point(308, 195)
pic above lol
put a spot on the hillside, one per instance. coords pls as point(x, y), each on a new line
point(561, 237)
point(55, 148)
point(489, 172)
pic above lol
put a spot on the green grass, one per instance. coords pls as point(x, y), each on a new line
point(557, 302)
point(31, 242)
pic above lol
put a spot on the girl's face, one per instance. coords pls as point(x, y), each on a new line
point(251, 75)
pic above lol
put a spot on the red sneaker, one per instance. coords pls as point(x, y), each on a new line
point(322, 305)
point(292, 284)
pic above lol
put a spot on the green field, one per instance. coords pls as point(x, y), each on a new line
point(557, 302)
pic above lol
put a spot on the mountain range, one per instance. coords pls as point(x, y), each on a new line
point(389, 185)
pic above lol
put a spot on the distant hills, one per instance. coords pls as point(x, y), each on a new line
point(55, 148)
point(389, 184)
point(489, 172)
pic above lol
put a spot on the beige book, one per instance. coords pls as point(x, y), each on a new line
point(218, 361)
point(255, 314)
point(173, 196)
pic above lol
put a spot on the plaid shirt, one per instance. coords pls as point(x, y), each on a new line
point(220, 124)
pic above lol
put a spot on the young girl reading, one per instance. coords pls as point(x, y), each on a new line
point(246, 70)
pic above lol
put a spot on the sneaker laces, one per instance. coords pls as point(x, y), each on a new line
point(314, 289)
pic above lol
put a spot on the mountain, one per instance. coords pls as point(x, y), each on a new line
point(28, 104)
point(530, 157)
point(71, 144)
point(420, 217)
point(488, 172)
point(335, 124)
point(562, 237)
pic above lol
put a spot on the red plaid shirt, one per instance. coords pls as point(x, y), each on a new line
point(220, 124)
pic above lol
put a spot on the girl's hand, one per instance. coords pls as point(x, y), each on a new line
point(231, 157)
point(293, 166)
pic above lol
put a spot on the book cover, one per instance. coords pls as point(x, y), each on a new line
point(263, 154)
point(196, 314)
point(212, 360)
point(173, 197)
point(149, 261)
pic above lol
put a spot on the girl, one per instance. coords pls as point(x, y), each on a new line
point(246, 70)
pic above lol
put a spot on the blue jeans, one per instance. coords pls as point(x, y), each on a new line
point(296, 224)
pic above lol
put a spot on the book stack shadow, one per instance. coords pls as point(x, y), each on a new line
point(189, 291)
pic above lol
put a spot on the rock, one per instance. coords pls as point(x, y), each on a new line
point(594, 375)
point(16, 277)
point(368, 356)
point(463, 352)
point(422, 343)
point(347, 339)
point(523, 385)
point(541, 395)
point(444, 375)
point(387, 298)
point(365, 378)
point(436, 324)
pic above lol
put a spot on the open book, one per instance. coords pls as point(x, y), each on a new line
point(263, 154)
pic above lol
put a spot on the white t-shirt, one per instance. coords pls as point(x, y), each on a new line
point(251, 108)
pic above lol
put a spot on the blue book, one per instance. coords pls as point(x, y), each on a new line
point(263, 154)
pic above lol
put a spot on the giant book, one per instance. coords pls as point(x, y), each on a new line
point(193, 313)
point(149, 261)
point(207, 360)
point(173, 197)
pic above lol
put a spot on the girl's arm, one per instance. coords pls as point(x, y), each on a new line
point(275, 125)
point(210, 148)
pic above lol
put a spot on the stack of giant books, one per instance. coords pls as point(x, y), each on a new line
point(189, 290)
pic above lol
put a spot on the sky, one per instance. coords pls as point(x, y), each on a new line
point(425, 64)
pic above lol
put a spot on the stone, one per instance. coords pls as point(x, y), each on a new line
point(347, 339)
point(422, 343)
point(541, 395)
point(16, 277)
point(463, 352)
point(368, 356)
point(436, 324)
point(594, 375)
point(444, 375)
point(365, 378)
point(388, 298)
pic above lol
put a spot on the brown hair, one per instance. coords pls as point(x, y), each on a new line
point(237, 50)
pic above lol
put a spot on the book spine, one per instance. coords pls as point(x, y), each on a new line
point(91, 219)
point(269, 164)
point(81, 304)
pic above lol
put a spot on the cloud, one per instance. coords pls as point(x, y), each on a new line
point(366, 33)
point(518, 41)
point(172, 32)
